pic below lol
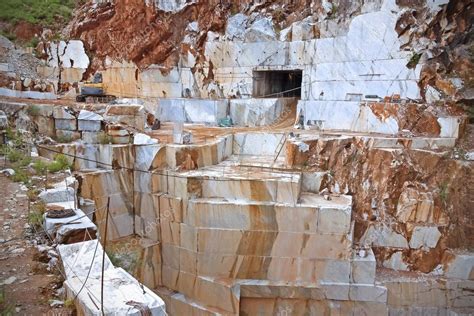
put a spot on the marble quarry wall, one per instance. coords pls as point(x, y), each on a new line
point(365, 207)
point(342, 72)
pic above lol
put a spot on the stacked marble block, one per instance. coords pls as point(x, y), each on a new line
point(71, 229)
point(65, 124)
point(85, 126)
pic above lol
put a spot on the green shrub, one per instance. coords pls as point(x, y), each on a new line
point(33, 42)
point(14, 155)
point(33, 110)
point(32, 194)
point(40, 167)
point(414, 59)
point(6, 308)
point(39, 207)
point(126, 259)
point(443, 192)
point(69, 303)
point(334, 9)
point(4, 149)
point(15, 136)
point(42, 12)
point(20, 176)
point(35, 219)
point(60, 163)
point(23, 162)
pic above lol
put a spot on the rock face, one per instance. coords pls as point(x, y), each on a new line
point(429, 216)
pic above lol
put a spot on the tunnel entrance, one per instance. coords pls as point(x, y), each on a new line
point(277, 83)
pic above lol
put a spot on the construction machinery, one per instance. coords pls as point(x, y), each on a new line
point(93, 91)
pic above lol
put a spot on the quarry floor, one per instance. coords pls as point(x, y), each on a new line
point(33, 286)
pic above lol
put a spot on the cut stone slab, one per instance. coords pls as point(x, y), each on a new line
point(128, 114)
point(89, 121)
point(120, 287)
point(383, 236)
point(28, 94)
point(258, 144)
point(71, 229)
point(77, 258)
point(311, 181)
point(424, 236)
point(363, 267)
point(65, 124)
point(192, 110)
point(66, 136)
point(368, 293)
point(61, 194)
point(462, 267)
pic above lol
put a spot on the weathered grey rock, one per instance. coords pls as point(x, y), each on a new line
point(172, 5)
point(8, 172)
point(396, 262)
point(90, 137)
point(3, 120)
point(60, 112)
point(9, 280)
point(236, 26)
point(303, 30)
point(260, 30)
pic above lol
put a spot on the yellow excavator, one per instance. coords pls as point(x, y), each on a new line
point(94, 91)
